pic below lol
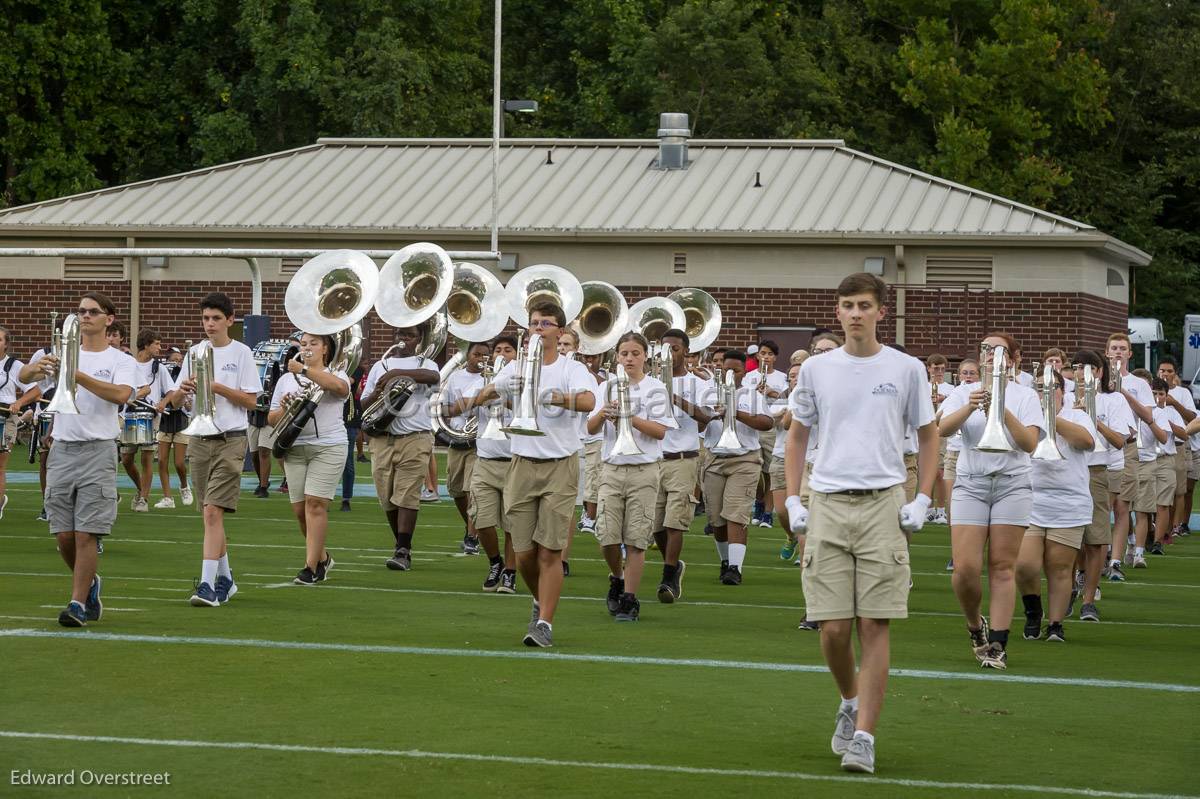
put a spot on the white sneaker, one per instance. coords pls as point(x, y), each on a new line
point(165, 502)
point(140, 505)
point(185, 494)
point(588, 525)
point(1139, 562)
point(931, 516)
point(429, 496)
point(3, 505)
point(941, 517)
point(843, 730)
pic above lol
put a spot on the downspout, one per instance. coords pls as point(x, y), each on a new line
point(255, 286)
point(133, 268)
point(901, 275)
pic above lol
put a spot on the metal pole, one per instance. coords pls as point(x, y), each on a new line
point(255, 286)
point(496, 119)
point(212, 252)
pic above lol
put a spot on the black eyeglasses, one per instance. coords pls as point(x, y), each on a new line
point(90, 312)
point(543, 323)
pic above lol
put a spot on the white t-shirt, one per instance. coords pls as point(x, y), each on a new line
point(1184, 398)
point(560, 425)
point(46, 383)
point(1062, 496)
point(414, 416)
point(97, 419)
point(1154, 448)
point(327, 425)
point(748, 401)
point(461, 384)
point(1021, 402)
point(146, 377)
point(1139, 388)
point(1025, 379)
point(864, 407)
point(647, 399)
point(779, 409)
point(686, 438)
point(584, 435)
point(9, 384)
point(484, 447)
point(776, 381)
point(233, 366)
point(1112, 411)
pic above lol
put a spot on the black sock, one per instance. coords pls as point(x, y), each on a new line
point(404, 541)
point(510, 571)
point(669, 571)
point(1033, 604)
point(1000, 636)
point(495, 560)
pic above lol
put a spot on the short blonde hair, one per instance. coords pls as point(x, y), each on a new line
point(798, 357)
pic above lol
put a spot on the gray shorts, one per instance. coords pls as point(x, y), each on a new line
point(981, 500)
point(81, 486)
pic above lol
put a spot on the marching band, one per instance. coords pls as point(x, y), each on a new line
point(618, 409)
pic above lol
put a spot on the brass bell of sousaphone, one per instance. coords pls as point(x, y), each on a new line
point(543, 283)
point(476, 305)
point(702, 317)
point(654, 316)
point(603, 319)
point(414, 284)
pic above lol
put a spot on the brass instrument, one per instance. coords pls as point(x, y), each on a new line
point(994, 438)
point(625, 443)
point(377, 417)
point(727, 389)
point(1091, 385)
point(492, 430)
point(702, 317)
point(65, 346)
point(529, 368)
point(662, 365)
point(437, 410)
point(654, 316)
point(1047, 449)
point(204, 405)
point(476, 305)
point(543, 283)
point(603, 318)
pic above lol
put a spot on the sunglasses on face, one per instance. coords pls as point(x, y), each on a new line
point(90, 312)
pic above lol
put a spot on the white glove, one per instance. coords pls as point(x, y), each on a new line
point(912, 515)
point(797, 514)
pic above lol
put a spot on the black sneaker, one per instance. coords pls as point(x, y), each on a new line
point(1054, 632)
point(324, 568)
point(508, 582)
point(93, 607)
point(630, 608)
point(616, 587)
point(306, 577)
point(809, 625)
point(493, 579)
point(724, 568)
point(566, 569)
point(345, 505)
point(42, 517)
point(732, 576)
point(401, 561)
point(262, 492)
point(1033, 626)
point(664, 592)
point(1155, 549)
point(1071, 604)
point(73, 616)
point(470, 544)
point(677, 582)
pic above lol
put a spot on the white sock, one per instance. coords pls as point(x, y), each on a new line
point(850, 705)
point(866, 736)
point(223, 567)
point(1139, 552)
point(722, 549)
point(208, 572)
point(737, 554)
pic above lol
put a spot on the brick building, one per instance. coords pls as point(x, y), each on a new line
point(768, 227)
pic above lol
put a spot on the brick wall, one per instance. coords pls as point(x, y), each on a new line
point(945, 321)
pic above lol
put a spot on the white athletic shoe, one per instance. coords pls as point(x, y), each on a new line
point(3, 505)
point(429, 496)
point(140, 505)
point(941, 517)
point(165, 502)
point(185, 494)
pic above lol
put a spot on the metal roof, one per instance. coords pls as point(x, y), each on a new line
point(554, 186)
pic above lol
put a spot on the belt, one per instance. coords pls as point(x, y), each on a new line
point(723, 456)
point(678, 456)
point(860, 492)
point(406, 435)
point(222, 436)
point(540, 460)
point(1095, 466)
point(505, 460)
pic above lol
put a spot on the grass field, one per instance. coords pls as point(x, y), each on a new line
point(417, 684)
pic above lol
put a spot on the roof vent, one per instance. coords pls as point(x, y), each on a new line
point(673, 136)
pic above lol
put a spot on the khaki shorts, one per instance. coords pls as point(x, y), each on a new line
point(856, 557)
point(173, 438)
point(804, 493)
point(216, 467)
point(539, 502)
point(778, 475)
point(459, 463)
point(1193, 465)
point(625, 508)
point(1156, 485)
point(675, 505)
point(910, 478)
point(398, 466)
point(1067, 536)
point(486, 508)
point(766, 444)
point(1099, 532)
point(941, 467)
point(591, 470)
point(729, 486)
point(1182, 462)
point(1116, 478)
point(314, 470)
point(950, 467)
point(1129, 480)
point(705, 459)
point(260, 437)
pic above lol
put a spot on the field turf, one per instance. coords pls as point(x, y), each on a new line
point(380, 683)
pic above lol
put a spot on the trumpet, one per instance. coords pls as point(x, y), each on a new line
point(65, 346)
point(529, 367)
point(492, 431)
point(994, 438)
point(729, 440)
point(625, 444)
point(1047, 449)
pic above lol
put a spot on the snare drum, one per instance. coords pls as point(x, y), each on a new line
point(44, 420)
point(5, 420)
point(269, 353)
point(137, 429)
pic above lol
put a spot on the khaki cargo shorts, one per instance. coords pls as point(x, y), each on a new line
point(766, 443)
point(1129, 479)
point(1193, 465)
point(1099, 532)
point(1116, 477)
point(591, 470)
point(260, 437)
point(778, 475)
point(173, 438)
point(487, 493)
point(1067, 536)
point(729, 487)
point(216, 470)
point(1183, 459)
point(910, 477)
point(856, 557)
point(459, 463)
point(675, 505)
point(625, 508)
point(950, 467)
point(398, 466)
point(539, 502)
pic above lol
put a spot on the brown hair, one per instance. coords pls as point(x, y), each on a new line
point(1010, 343)
point(115, 327)
point(549, 309)
point(146, 337)
point(1118, 337)
point(633, 335)
point(937, 360)
point(825, 337)
point(862, 283)
point(102, 300)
